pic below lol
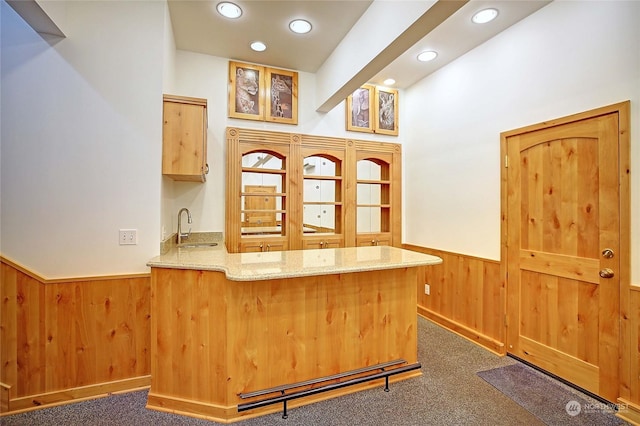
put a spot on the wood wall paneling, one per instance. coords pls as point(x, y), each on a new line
point(466, 296)
point(69, 339)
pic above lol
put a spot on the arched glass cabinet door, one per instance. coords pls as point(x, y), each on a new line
point(322, 194)
point(373, 202)
point(263, 201)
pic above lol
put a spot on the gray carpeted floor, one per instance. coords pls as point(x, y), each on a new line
point(449, 392)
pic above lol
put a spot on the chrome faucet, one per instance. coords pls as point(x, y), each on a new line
point(182, 235)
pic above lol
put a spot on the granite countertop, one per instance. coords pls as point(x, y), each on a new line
point(292, 263)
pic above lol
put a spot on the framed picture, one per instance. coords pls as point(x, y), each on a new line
point(246, 91)
point(359, 109)
point(386, 111)
point(281, 96)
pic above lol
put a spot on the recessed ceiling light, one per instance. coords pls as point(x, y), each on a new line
point(300, 26)
point(389, 82)
point(229, 10)
point(485, 15)
point(427, 56)
point(258, 46)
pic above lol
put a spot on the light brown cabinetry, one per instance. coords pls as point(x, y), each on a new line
point(290, 191)
point(253, 245)
point(184, 138)
point(252, 335)
point(323, 174)
point(378, 178)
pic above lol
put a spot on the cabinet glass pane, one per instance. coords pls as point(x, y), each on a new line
point(262, 179)
point(263, 195)
point(369, 219)
point(319, 166)
point(319, 191)
point(319, 218)
point(262, 160)
point(372, 198)
point(369, 193)
point(368, 170)
point(319, 211)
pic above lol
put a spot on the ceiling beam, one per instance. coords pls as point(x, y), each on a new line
point(351, 65)
point(37, 18)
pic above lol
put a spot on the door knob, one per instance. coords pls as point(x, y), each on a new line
point(607, 253)
point(606, 273)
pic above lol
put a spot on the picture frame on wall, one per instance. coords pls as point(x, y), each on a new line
point(281, 100)
point(360, 109)
point(386, 111)
point(246, 91)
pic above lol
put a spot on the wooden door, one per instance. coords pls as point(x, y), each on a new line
point(260, 210)
point(562, 248)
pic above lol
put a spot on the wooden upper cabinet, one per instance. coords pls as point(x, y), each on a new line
point(322, 194)
point(258, 190)
point(184, 138)
point(292, 192)
point(378, 196)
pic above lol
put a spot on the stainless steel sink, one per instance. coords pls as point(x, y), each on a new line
point(196, 245)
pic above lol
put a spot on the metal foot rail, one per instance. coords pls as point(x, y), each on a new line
point(284, 397)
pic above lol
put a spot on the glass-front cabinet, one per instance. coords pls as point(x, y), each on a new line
point(258, 199)
point(322, 195)
point(373, 201)
point(288, 191)
point(263, 201)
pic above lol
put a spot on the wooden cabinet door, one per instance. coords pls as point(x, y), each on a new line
point(184, 138)
point(563, 254)
point(259, 211)
point(270, 244)
point(322, 242)
point(374, 240)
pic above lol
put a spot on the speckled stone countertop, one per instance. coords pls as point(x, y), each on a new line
point(292, 263)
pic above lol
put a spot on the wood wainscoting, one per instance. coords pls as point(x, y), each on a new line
point(629, 400)
point(466, 296)
point(67, 340)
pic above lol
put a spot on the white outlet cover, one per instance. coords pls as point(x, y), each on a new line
point(128, 237)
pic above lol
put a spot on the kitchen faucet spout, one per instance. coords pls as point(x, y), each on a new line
point(181, 234)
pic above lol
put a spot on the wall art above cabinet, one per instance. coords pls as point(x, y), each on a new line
point(373, 109)
point(262, 93)
point(184, 138)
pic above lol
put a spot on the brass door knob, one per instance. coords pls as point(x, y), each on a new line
point(606, 273)
point(607, 253)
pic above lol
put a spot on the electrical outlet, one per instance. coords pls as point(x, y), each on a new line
point(427, 289)
point(128, 236)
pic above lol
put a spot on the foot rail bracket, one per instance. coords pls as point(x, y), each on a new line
point(377, 371)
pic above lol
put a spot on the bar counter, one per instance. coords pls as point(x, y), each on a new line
point(291, 264)
point(229, 324)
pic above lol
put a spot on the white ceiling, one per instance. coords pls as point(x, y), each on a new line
point(353, 42)
point(199, 28)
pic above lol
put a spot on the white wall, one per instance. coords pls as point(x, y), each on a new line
point(205, 76)
point(81, 137)
point(567, 58)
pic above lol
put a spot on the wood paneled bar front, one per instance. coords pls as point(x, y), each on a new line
point(226, 324)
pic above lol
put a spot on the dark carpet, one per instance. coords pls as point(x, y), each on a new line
point(549, 400)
